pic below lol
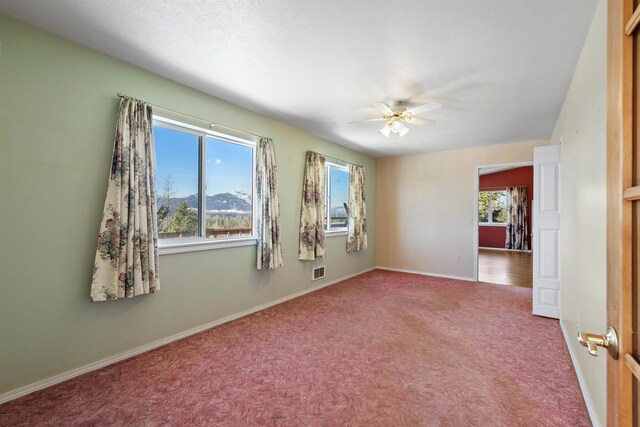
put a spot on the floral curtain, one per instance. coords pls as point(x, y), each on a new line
point(126, 263)
point(517, 218)
point(312, 217)
point(269, 248)
point(357, 228)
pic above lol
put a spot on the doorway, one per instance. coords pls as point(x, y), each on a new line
point(504, 253)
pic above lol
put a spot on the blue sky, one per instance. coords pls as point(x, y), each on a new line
point(229, 166)
point(339, 187)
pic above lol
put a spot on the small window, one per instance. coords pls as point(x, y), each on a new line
point(204, 184)
point(337, 197)
point(492, 207)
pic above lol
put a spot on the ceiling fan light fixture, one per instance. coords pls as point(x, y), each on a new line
point(397, 126)
point(397, 118)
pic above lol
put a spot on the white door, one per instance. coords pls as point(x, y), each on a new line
point(546, 231)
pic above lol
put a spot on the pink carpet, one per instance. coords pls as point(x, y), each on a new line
point(381, 349)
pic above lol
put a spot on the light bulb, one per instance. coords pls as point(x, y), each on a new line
point(386, 130)
point(404, 131)
point(397, 126)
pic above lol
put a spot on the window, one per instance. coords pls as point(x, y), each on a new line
point(337, 196)
point(492, 207)
point(204, 184)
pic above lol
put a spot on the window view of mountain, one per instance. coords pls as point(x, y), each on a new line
point(226, 215)
point(183, 174)
point(239, 202)
point(338, 216)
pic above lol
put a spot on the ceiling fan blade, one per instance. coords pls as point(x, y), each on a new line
point(429, 106)
point(381, 119)
point(383, 107)
point(423, 122)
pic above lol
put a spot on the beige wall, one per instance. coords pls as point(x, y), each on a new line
point(426, 207)
point(57, 120)
point(582, 127)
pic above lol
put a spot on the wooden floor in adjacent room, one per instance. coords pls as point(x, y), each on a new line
point(505, 267)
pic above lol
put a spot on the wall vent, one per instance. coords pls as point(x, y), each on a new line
point(318, 273)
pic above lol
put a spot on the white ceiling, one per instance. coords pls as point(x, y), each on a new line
point(501, 68)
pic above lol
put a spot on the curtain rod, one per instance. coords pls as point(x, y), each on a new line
point(339, 160)
point(209, 122)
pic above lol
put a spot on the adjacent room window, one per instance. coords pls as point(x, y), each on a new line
point(492, 207)
point(204, 183)
point(337, 197)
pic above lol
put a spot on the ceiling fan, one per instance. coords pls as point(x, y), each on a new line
point(398, 116)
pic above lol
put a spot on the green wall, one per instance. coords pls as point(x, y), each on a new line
point(57, 119)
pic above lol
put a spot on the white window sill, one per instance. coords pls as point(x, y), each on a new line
point(194, 244)
point(492, 224)
point(334, 233)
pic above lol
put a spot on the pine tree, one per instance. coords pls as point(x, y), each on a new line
point(163, 217)
point(185, 219)
point(168, 192)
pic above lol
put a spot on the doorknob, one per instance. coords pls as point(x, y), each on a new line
point(593, 341)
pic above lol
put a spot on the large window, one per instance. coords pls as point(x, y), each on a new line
point(204, 183)
point(492, 207)
point(337, 196)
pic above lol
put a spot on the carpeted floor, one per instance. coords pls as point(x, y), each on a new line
point(381, 349)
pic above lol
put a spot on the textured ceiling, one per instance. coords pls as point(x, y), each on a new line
point(501, 68)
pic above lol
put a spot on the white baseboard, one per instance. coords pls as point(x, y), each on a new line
point(48, 382)
point(581, 380)
point(426, 273)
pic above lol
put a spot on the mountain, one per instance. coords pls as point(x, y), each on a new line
point(227, 202)
point(232, 203)
point(244, 196)
point(338, 211)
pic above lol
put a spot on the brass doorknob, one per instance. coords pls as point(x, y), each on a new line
point(593, 341)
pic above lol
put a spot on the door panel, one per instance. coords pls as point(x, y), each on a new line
point(548, 179)
point(549, 298)
point(546, 231)
point(549, 255)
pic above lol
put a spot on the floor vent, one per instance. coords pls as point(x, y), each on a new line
point(318, 273)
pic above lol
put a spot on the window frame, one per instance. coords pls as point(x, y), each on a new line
point(328, 231)
point(201, 243)
point(490, 221)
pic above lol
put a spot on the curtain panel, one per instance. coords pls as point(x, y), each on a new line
point(516, 232)
point(126, 262)
point(357, 228)
point(312, 216)
point(269, 247)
